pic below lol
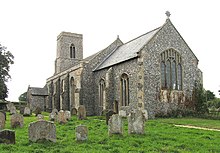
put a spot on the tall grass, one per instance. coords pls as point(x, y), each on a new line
point(160, 136)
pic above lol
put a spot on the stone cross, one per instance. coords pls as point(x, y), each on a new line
point(167, 14)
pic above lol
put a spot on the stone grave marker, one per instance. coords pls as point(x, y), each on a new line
point(81, 112)
point(136, 122)
point(108, 115)
point(13, 110)
point(115, 125)
point(40, 117)
point(74, 111)
point(2, 120)
point(17, 120)
point(53, 116)
point(37, 111)
point(4, 114)
point(61, 118)
point(42, 130)
point(7, 136)
point(67, 115)
point(22, 110)
point(9, 105)
point(27, 111)
point(55, 111)
point(81, 133)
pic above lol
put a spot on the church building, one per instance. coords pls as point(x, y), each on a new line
point(156, 72)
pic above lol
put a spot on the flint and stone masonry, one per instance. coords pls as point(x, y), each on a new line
point(155, 72)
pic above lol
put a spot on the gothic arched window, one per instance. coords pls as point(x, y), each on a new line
point(171, 70)
point(72, 51)
point(101, 91)
point(124, 90)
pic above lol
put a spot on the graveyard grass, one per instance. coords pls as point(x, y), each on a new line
point(160, 136)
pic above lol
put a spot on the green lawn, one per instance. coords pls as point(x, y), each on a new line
point(161, 136)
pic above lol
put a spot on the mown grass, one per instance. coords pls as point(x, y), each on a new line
point(161, 136)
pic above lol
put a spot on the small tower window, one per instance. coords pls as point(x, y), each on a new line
point(72, 51)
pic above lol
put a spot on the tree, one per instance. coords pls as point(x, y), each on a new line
point(209, 95)
point(23, 97)
point(6, 59)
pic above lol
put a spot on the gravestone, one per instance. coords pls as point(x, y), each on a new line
point(122, 113)
point(17, 120)
point(4, 114)
point(9, 105)
point(61, 118)
point(2, 120)
point(136, 122)
point(108, 115)
point(55, 111)
point(42, 130)
point(115, 125)
point(13, 110)
point(7, 136)
point(40, 117)
point(67, 115)
point(22, 110)
point(81, 112)
point(37, 111)
point(81, 133)
point(53, 116)
point(74, 111)
point(27, 111)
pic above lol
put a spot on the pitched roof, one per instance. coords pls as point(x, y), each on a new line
point(38, 91)
point(127, 51)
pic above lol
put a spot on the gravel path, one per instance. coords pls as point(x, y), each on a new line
point(196, 127)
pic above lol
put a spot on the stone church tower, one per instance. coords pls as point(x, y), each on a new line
point(69, 51)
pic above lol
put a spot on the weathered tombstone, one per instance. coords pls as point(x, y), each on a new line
point(2, 120)
point(115, 125)
point(13, 110)
point(122, 113)
point(9, 105)
point(53, 116)
point(81, 112)
point(74, 111)
point(4, 114)
point(27, 111)
point(67, 115)
point(61, 118)
point(7, 136)
point(81, 133)
point(55, 111)
point(108, 115)
point(40, 117)
point(22, 110)
point(17, 120)
point(42, 130)
point(37, 111)
point(136, 121)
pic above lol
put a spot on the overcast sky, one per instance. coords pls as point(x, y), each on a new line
point(29, 30)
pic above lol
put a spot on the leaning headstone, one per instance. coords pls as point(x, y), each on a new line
point(42, 130)
point(13, 110)
point(74, 111)
point(81, 133)
point(122, 113)
point(53, 116)
point(2, 120)
point(27, 111)
point(81, 112)
point(108, 115)
point(67, 115)
point(37, 111)
point(4, 114)
point(115, 125)
point(40, 117)
point(61, 118)
point(17, 120)
point(7, 136)
point(136, 121)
